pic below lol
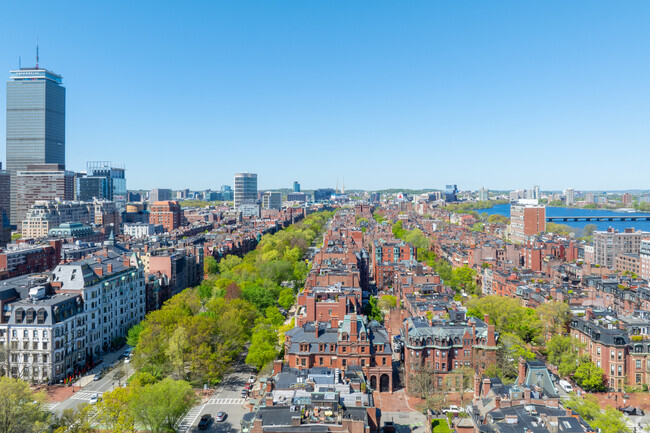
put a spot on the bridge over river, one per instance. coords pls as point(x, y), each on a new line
point(599, 218)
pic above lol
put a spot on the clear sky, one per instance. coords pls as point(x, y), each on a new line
point(408, 94)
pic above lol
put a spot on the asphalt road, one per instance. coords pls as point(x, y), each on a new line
point(107, 383)
point(226, 398)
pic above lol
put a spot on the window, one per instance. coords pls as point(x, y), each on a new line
point(638, 379)
point(620, 355)
point(437, 366)
point(638, 364)
point(597, 350)
point(620, 370)
point(44, 334)
point(612, 355)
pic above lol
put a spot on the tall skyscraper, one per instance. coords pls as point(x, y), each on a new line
point(35, 123)
point(245, 188)
point(160, 194)
point(483, 194)
point(5, 227)
point(296, 186)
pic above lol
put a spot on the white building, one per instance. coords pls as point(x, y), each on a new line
point(569, 197)
point(113, 291)
point(609, 244)
point(141, 230)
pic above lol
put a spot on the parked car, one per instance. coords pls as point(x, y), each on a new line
point(220, 416)
point(251, 379)
point(97, 377)
point(453, 409)
point(566, 386)
point(94, 398)
point(205, 422)
point(244, 393)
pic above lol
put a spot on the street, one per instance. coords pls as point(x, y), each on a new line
point(112, 378)
point(226, 398)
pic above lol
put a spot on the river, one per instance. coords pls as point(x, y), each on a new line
point(504, 209)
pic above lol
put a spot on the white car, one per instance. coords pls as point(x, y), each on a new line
point(453, 409)
point(94, 398)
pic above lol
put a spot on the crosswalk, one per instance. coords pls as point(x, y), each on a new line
point(189, 419)
point(84, 395)
point(239, 401)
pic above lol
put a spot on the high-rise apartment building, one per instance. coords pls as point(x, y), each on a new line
point(272, 200)
point(609, 244)
point(483, 194)
point(245, 188)
point(41, 182)
point(590, 198)
point(527, 218)
point(296, 186)
point(569, 197)
point(35, 124)
point(627, 199)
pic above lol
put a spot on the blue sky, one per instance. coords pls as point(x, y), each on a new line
point(408, 94)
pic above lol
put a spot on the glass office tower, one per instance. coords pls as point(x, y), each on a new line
point(245, 188)
point(35, 123)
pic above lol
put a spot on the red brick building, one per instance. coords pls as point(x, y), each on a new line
point(166, 213)
point(354, 343)
point(442, 347)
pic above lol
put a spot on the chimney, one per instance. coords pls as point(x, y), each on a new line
point(110, 268)
point(269, 400)
point(353, 327)
point(126, 262)
point(477, 386)
point(491, 337)
point(569, 412)
point(277, 366)
point(487, 384)
point(522, 371)
point(486, 319)
point(334, 322)
point(99, 271)
point(269, 385)
point(497, 402)
point(316, 329)
point(527, 395)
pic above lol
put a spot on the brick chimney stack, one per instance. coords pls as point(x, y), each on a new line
point(487, 384)
point(522, 371)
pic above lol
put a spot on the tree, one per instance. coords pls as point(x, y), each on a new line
point(228, 262)
point(21, 410)
point(588, 231)
point(498, 219)
point(286, 298)
point(114, 411)
point(74, 420)
point(554, 316)
point(372, 311)
point(463, 377)
point(387, 302)
point(161, 406)
point(210, 266)
point(263, 348)
point(590, 377)
point(177, 350)
point(420, 382)
point(608, 421)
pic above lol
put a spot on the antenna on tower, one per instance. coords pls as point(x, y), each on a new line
point(19, 63)
point(337, 186)
point(36, 52)
point(343, 188)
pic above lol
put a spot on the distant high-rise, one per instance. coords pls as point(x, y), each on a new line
point(115, 179)
point(296, 186)
point(272, 200)
point(245, 188)
point(527, 218)
point(160, 194)
point(42, 182)
point(483, 194)
point(451, 193)
point(569, 197)
point(35, 123)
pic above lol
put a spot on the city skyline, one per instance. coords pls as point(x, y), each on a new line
point(457, 93)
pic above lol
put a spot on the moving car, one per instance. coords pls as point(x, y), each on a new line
point(631, 410)
point(94, 398)
point(205, 422)
point(251, 379)
point(244, 393)
point(97, 377)
point(220, 416)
